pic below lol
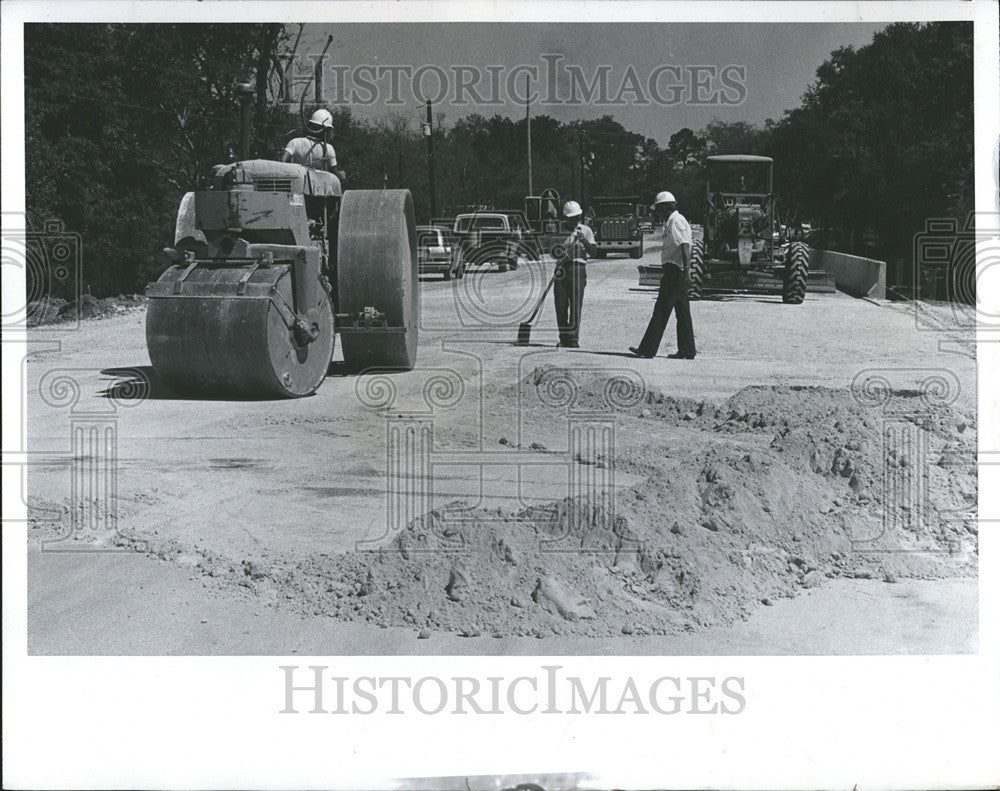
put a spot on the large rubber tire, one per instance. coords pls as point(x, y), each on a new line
point(636, 252)
point(377, 267)
point(210, 341)
point(697, 271)
point(600, 254)
point(793, 291)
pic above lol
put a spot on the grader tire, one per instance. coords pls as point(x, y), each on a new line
point(377, 267)
point(697, 271)
point(796, 274)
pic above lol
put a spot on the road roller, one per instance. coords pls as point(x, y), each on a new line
point(269, 265)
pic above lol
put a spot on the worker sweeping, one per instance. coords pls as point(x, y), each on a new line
point(571, 275)
point(314, 149)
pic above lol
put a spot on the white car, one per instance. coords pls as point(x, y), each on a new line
point(438, 250)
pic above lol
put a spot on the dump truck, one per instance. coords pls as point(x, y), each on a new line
point(743, 247)
point(615, 222)
point(268, 265)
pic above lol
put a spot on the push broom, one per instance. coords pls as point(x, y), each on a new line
point(524, 329)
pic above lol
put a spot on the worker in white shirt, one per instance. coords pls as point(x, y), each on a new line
point(314, 149)
point(571, 275)
point(674, 282)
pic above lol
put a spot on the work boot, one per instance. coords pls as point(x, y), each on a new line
point(635, 350)
point(680, 356)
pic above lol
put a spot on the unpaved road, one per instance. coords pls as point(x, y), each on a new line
point(246, 483)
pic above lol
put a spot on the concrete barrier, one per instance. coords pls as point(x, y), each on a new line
point(859, 277)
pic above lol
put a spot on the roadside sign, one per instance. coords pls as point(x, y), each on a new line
point(550, 205)
point(533, 208)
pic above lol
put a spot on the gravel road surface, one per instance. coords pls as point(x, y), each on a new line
point(234, 517)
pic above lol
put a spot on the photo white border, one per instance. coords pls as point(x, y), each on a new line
point(832, 722)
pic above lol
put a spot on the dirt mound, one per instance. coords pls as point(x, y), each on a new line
point(53, 310)
point(730, 507)
point(774, 491)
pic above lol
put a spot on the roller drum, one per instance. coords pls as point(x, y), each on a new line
point(377, 267)
point(210, 339)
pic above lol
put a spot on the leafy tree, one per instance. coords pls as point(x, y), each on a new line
point(120, 120)
point(738, 137)
point(884, 138)
point(686, 148)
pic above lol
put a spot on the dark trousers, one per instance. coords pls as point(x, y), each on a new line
point(673, 296)
point(571, 280)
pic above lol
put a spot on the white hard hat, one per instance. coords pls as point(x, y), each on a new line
point(664, 197)
point(321, 119)
point(572, 209)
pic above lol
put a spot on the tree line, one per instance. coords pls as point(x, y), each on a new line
point(121, 120)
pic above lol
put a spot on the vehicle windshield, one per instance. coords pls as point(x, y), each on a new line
point(613, 209)
point(740, 177)
point(479, 221)
point(429, 237)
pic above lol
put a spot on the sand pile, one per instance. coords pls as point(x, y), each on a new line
point(52, 310)
point(772, 492)
point(736, 504)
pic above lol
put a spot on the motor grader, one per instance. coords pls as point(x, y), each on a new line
point(268, 265)
point(742, 248)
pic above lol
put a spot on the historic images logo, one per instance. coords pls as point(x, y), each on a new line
point(549, 83)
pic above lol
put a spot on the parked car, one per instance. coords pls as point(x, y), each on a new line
point(439, 250)
point(496, 236)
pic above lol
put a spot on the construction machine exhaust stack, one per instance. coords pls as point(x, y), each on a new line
point(245, 94)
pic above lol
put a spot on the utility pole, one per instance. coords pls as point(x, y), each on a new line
point(572, 180)
point(583, 183)
point(527, 114)
point(429, 134)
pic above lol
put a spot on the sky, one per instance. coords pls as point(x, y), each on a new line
point(771, 66)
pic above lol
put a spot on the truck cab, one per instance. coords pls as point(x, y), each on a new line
point(615, 222)
point(499, 236)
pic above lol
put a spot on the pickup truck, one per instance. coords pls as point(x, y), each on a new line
point(496, 236)
point(615, 223)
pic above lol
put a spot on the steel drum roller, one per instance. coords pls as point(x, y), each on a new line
point(377, 267)
point(211, 338)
